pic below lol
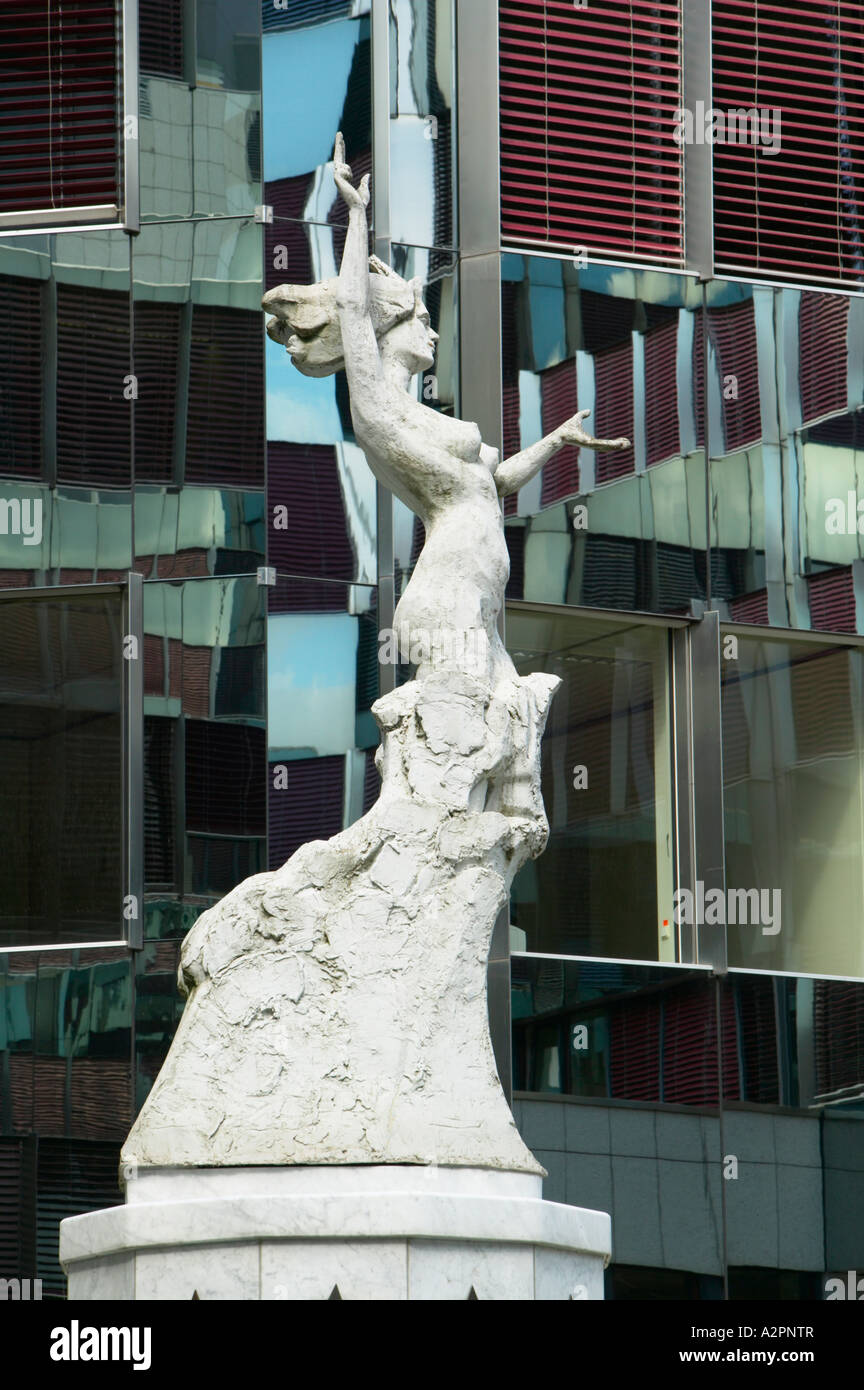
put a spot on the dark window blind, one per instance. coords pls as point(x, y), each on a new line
point(93, 416)
point(797, 213)
point(588, 98)
point(308, 808)
point(21, 378)
point(225, 427)
point(59, 107)
point(160, 37)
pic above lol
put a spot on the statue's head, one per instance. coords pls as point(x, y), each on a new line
point(306, 322)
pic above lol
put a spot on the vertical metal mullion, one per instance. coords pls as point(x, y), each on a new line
point(682, 744)
point(133, 744)
point(129, 132)
point(709, 816)
point(698, 158)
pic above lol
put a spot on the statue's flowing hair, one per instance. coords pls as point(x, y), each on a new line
point(310, 313)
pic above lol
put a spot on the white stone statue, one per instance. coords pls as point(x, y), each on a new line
point(336, 1007)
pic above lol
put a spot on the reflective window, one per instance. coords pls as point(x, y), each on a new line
point(622, 529)
point(604, 884)
point(792, 765)
point(61, 691)
point(323, 658)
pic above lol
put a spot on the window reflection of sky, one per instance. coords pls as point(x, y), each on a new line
point(298, 132)
point(312, 682)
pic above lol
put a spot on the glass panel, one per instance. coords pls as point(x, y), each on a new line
point(316, 80)
point(421, 128)
point(61, 768)
point(199, 363)
point(604, 884)
point(204, 745)
point(793, 759)
point(323, 680)
point(200, 108)
point(621, 529)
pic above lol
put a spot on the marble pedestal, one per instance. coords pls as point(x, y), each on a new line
point(374, 1232)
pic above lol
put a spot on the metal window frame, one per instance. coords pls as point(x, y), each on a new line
point(102, 216)
point(132, 762)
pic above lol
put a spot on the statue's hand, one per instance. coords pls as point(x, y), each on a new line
point(571, 432)
point(351, 196)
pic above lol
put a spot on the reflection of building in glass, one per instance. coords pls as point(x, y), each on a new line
point(704, 611)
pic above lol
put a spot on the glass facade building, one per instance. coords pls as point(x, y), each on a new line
point(198, 570)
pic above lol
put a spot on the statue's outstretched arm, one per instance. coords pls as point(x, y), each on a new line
point(362, 358)
point(515, 472)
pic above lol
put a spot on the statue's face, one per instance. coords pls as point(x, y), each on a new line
point(305, 323)
point(412, 342)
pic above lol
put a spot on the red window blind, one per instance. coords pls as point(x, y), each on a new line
point(588, 98)
point(698, 366)
point(304, 478)
point(832, 601)
point(797, 213)
point(822, 320)
point(558, 403)
point(59, 106)
point(732, 329)
point(613, 409)
point(661, 394)
point(750, 608)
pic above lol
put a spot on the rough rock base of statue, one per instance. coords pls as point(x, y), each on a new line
point(333, 1071)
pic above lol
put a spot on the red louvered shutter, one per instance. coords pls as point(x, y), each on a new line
point(661, 394)
point(832, 601)
point(698, 368)
point(690, 1059)
point(558, 402)
point(822, 353)
point(588, 97)
point(799, 212)
point(315, 542)
point(750, 608)
point(733, 332)
point(613, 409)
point(634, 1051)
point(59, 107)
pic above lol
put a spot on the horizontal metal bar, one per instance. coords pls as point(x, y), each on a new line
point(49, 217)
